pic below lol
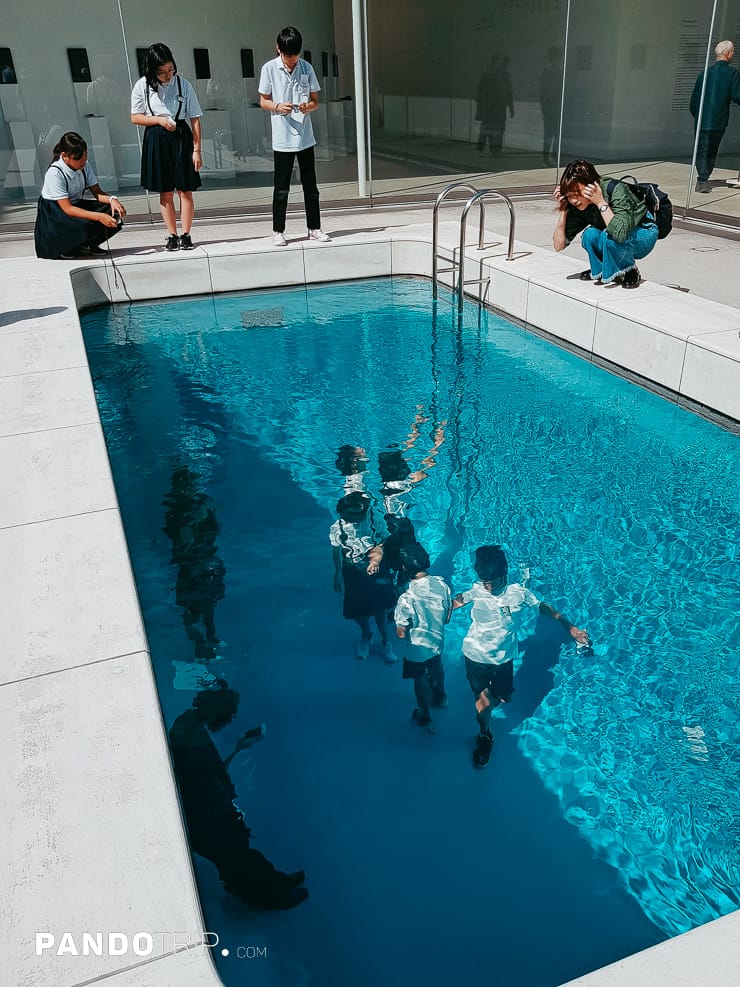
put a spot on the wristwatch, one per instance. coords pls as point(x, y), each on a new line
point(603, 207)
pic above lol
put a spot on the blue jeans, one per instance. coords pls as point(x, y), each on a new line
point(610, 259)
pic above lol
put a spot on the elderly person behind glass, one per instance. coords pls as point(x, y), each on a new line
point(617, 227)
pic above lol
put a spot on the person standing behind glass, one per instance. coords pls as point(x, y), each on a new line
point(550, 86)
point(723, 88)
point(162, 102)
point(289, 91)
point(66, 222)
point(493, 98)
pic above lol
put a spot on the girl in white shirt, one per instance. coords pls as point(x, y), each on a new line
point(162, 102)
point(66, 222)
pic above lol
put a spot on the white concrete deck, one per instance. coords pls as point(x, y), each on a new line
point(92, 835)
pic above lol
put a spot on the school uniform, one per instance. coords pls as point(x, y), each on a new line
point(492, 641)
point(365, 594)
point(56, 233)
point(167, 156)
point(423, 609)
point(292, 138)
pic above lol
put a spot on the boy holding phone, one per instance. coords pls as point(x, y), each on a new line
point(289, 91)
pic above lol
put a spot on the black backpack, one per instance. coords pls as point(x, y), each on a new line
point(654, 198)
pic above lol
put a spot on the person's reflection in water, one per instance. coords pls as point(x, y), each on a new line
point(397, 477)
point(215, 824)
point(551, 81)
point(192, 526)
point(351, 462)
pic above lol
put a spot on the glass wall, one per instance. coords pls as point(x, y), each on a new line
point(500, 95)
point(61, 71)
point(461, 90)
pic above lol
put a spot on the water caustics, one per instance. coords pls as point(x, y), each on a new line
point(623, 506)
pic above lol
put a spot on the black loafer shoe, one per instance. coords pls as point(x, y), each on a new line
point(631, 279)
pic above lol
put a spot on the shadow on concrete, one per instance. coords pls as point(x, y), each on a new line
point(24, 314)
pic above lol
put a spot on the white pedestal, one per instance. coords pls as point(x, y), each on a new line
point(23, 170)
point(101, 152)
point(11, 102)
point(321, 133)
point(340, 120)
point(259, 131)
point(218, 152)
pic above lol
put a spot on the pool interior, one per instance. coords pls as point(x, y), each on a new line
point(604, 822)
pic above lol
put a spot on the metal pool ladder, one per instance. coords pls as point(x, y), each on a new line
point(478, 197)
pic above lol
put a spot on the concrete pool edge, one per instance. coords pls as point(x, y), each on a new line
point(61, 526)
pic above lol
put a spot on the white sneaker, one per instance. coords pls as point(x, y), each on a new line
point(319, 235)
point(387, 652)
point(278, 240)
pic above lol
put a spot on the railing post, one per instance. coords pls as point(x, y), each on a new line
point(479, 198)
point(435, 228)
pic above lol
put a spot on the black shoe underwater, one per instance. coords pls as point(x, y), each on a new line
point(482, 752)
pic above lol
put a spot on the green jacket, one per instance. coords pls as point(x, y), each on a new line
point(628, 211)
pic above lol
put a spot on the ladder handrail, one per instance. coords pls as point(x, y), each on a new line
point(435, 224)
point(479, 197)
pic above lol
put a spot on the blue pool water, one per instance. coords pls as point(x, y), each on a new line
point(607, 819)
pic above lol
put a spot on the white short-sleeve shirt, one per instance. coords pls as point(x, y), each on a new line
point(355, 540)
point(293, 132)
point(493, 637)
point(165, 101)
point(423, 609)
point(63, 182)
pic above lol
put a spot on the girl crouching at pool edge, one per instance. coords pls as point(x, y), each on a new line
point(67, 223)
point(492, 641)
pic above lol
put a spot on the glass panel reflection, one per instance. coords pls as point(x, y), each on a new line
point(455, 91)
point(714, 104)
point(475, 96)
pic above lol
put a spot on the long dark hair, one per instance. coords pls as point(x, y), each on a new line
point(70, 144)
point(156, 56)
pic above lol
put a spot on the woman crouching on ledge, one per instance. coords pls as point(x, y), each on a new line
point(617, 227)
point(66, 223)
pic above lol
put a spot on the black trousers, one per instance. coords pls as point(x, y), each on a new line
point(283, 162)
point(706, 152)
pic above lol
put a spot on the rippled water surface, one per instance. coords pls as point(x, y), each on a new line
point(608, 817)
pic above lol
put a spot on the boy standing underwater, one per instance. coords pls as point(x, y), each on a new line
point(492, 642)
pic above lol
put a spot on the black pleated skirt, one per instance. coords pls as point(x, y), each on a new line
point(167, 160)
point(56, 233)
point(365, 595)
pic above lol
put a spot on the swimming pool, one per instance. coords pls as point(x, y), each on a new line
point(605, 821)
